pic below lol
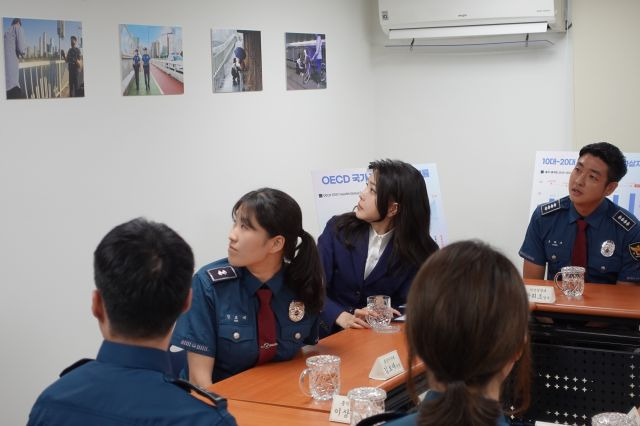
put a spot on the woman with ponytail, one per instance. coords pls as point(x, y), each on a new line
point(467, 319)
point(260, 304)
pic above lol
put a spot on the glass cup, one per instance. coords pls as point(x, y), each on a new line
point(380, 313)
point(365, 402)
point(612, 419)
point(324, 377)
point(572, 283)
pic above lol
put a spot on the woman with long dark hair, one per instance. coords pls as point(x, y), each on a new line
point(261, 303)
point(467, 319)
point(378, 248)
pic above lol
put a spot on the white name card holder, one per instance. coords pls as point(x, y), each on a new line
point(635, 415)
point(541, 294)
point(340, 410)
point(386, 366)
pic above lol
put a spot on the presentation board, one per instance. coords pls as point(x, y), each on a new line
point(336, 192)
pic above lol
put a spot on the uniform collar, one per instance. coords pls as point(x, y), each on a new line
point(594, 219)
point(134, 356)
point(253, 284)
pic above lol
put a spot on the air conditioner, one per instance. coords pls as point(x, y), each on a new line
point(441, 19)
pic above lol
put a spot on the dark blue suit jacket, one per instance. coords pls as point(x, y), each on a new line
point(344, 272)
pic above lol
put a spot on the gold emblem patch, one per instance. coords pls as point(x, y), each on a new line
point(296, 310)
point(634, 249)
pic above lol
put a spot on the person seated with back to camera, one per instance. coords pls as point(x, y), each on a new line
point(142, 272)
point(377, 249)
point(467, 319)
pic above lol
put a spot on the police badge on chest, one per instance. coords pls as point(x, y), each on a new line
point(296, 310)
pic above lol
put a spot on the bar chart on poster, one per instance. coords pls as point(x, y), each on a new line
point(551, 177)
point(336, 192)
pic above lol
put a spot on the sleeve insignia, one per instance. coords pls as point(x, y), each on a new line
point(634, 249)
point(222, 274)
point(622, 219)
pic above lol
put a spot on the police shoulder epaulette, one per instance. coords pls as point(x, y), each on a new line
point(623, 219)
point(222, 273)
point(75, 365)
point(550, 207)
point(209, 397)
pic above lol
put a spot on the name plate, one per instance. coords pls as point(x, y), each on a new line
point(386, 367)
point(340, 410)
point(541, 294)
point(634, 415)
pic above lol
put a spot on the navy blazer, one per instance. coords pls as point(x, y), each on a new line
point(344, 273)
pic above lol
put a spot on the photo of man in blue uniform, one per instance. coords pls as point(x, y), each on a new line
point(136, 68)
point(142, 272)
point(146, 59)
point(586, 228)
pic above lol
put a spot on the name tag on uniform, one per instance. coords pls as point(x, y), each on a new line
point(340, 410)
point(541, 294)
point(386, 366)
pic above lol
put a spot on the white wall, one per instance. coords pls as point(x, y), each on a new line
point(480, 115)
point(607, 60)
point(71, 169)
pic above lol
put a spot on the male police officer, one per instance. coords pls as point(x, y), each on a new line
point(146, 59)
point(585, 228)
point(143, 273)
point(136, 69)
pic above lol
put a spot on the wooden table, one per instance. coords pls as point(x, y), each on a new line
point(276, 383)
point(618, 301)
point(253, 413)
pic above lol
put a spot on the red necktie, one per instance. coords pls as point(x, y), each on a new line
point(579, 253)
point(266, 327)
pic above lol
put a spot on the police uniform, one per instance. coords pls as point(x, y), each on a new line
point(124, 385)
point(222, 321)
point(146, 59)
point(136, 69)
point(613, 236)
point(347, 289)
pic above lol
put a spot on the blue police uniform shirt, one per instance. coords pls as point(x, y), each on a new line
point(145, 60)
point(613, 238)
point(346, 287)
point(222, 321)
point(124, 385)
point(136, 60)
point(412, 419)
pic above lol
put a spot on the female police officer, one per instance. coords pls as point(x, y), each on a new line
point(378, 248)
point(261, 303)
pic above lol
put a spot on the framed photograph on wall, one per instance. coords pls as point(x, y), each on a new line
point(43, 58)
point(236, 60)
point(306, 61)
point(151, 60)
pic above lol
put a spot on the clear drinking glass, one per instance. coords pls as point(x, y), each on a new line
point(365, 402)
point(612, 419)
point(572, 283)
point(324, 377)
point(380, 315)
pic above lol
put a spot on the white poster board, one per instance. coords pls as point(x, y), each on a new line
point(336, 192)
point(551, 177)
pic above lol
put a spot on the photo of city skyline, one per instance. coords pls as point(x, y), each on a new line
point(151, 60)
point(43, 58)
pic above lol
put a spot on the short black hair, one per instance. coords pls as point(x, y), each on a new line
point(143, 271)
point(16, 21)
point(74, 38)
point(611, 155)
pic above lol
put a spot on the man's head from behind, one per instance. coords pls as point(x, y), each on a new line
point(142, 271)
point(74, 41)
